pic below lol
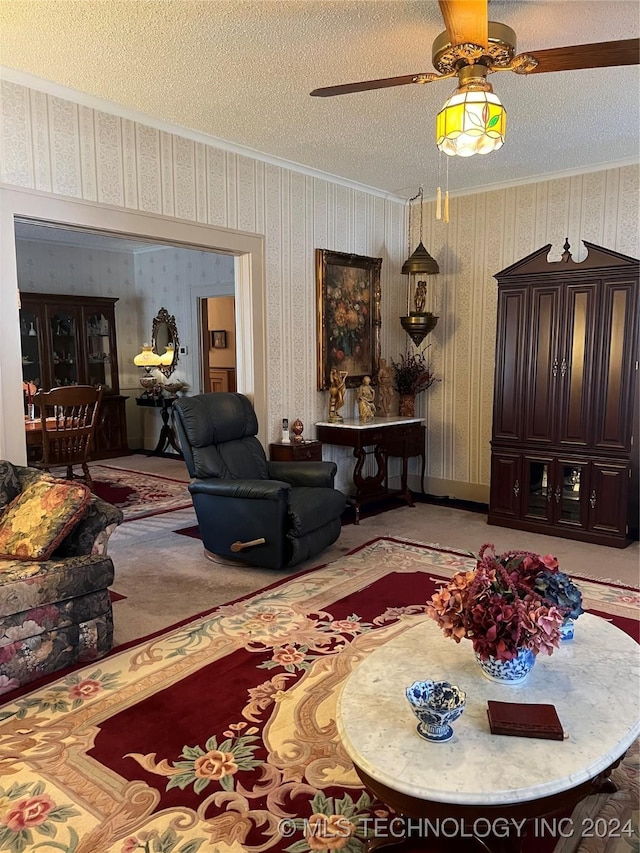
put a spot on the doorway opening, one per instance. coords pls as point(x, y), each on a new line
point(245, 252)
point(218, 342)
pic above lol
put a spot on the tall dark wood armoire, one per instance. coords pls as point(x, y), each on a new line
point(564, 441)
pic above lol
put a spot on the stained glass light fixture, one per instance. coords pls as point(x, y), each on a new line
point(472, 121)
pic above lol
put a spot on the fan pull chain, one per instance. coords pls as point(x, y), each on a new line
point(439, 191)
point(445, 215)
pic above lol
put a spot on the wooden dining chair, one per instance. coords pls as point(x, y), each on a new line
point(68, 416)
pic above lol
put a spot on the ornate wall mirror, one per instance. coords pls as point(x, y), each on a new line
point(165, 341)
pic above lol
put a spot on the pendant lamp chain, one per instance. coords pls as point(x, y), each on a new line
point(420, 195)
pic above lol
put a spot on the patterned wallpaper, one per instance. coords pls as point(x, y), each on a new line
point(58, 146)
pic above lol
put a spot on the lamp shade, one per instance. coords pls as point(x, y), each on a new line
point(420, 263)
point(472, 121)
point(166, 359)
point(147, 358)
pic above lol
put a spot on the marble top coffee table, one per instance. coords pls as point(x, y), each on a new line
point(592, 680)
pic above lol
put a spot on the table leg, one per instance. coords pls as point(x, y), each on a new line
point(369, 489)
point(167, 436)
point(406, 494)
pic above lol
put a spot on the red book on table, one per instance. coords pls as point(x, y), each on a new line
point(525, 719)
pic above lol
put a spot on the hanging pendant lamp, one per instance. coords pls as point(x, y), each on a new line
point(418, 323)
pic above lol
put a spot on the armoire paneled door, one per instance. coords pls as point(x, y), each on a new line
point(563, 450)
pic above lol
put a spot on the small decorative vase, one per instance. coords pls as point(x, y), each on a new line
point(436, 704)
point(567, 629)
point(513, 671)
point(407, 405)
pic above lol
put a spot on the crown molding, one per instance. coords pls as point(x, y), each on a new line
point(21, 78)
point(539, 179)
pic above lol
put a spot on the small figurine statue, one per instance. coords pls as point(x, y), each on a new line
point(420, 298)
point(385, 387)
point(297, 429)
point(337, 390)
point(366, 401)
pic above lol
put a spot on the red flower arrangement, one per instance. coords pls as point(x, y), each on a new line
point(497, 606)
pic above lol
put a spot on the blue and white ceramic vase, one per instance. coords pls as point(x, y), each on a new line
point(567, 629)
point(513, 671)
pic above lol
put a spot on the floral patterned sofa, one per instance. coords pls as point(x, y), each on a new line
point(55, 612)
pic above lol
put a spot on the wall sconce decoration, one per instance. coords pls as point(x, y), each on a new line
point(418, 322)
point(219, 339)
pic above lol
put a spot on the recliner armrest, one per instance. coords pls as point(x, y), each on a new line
point(270, 490)
point(304, 473)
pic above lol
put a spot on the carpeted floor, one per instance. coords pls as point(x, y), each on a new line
point(137, 494)
point(166, 577)
point(208, 735)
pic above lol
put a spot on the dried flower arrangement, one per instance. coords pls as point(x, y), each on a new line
point(412, 374)
point(508, 602)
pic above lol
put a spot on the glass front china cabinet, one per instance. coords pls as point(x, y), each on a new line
point(71, 340)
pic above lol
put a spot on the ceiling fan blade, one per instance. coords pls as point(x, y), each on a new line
point(600, 55)
point(465, 20)
point(365, 85)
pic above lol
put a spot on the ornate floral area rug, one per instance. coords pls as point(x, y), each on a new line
point(138, 494)
point(219, 734)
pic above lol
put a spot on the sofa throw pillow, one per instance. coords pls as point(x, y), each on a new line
point(9, 483)
point(40, 517)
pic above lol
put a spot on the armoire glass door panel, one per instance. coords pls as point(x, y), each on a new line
point(99, 350)
point(570, 492)
point(64, 339)
point(30, 341)
point(576, 357)
point(538, 488)
point(542, 381)
point(619, 350)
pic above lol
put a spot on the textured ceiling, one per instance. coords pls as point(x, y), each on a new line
point(242, 72)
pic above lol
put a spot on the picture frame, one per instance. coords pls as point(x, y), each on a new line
point(218, 339)
point(348, 309)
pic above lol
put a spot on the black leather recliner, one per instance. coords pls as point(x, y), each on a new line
point(240, 497)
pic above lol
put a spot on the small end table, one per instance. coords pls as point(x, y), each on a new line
point(167, 436)
point(296, 451)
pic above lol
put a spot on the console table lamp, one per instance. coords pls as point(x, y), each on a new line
point(148, 359)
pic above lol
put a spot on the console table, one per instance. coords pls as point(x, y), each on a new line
point(380, 437)
point(167, 436)
point(477, 777)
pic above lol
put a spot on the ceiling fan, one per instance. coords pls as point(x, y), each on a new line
point(473, 121)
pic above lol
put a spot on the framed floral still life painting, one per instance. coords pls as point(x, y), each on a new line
point(348, 291)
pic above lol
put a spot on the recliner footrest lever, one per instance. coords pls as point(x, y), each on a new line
point(240, 546)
